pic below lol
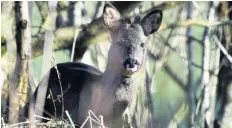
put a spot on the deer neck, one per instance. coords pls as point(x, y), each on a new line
point(117, 85)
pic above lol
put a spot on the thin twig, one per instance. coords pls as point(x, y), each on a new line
point(74, 44)
point(222, 48)
point(102, 121)
point(28, 122)
point(70, 119)
point(53, 101)
point(83, 124)
point(3, 123)
point(42, 117)
point(94, 115)
point(90, 121)
point(75, 36)
point(17, 124)
point(99, 123)
point(61, 88)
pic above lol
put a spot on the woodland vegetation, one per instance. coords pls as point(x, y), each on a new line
point(189, 64)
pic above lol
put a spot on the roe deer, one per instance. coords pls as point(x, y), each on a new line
point(109, 93)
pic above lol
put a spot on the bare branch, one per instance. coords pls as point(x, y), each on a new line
point(222, 48)
point(173, 75)
point(194, 22)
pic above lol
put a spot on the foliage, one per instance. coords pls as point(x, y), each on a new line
point(169, 65)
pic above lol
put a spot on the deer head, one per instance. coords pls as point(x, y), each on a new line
point(129, 40)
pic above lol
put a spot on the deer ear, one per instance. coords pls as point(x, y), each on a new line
point(111, 17)
point(151, 22)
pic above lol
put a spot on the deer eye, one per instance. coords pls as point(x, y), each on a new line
point(142, 45)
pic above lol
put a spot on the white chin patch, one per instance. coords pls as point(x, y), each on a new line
point(134, 69)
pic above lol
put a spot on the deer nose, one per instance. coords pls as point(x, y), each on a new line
point(130, 63)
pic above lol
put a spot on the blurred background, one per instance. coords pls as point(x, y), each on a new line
point(188, 68)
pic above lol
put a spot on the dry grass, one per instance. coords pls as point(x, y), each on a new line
point(57, 123)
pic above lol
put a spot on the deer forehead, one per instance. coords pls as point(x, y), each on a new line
point(131, 34)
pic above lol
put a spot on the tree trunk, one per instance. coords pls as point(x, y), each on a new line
point(20, 78)
point(191, 88)
point(47, 62)
point(209, 76)
point(8, 59)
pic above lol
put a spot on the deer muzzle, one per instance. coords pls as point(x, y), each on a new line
point(130, 66)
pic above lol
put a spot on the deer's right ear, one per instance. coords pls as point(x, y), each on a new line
point(151, 22)
point(111, 17)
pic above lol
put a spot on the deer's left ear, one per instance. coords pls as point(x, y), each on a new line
point(111, 17)
point(151, 22)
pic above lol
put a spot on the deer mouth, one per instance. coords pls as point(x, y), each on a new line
point(130, 66)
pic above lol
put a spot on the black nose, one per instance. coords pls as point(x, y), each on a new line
point(131, 63)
